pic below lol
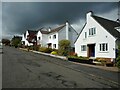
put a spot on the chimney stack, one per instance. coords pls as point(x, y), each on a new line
point(49, 29)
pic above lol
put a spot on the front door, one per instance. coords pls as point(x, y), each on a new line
point(91, 50)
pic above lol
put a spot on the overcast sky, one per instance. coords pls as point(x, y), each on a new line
point(19, 16)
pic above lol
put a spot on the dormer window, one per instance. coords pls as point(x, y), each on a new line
point(54, 36)
point(92, 31)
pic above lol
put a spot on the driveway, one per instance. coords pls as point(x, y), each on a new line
point(23, 69)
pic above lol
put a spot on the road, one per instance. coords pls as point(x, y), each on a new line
point(21, 69)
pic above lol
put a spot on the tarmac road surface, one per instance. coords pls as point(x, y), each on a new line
point(21, 69)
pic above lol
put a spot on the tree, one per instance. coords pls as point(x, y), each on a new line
point(6, 41)
point(16, 41)
point(118, 57)
point(64, 47)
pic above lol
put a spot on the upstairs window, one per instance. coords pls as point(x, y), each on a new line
point(92, 31)
point(39, 38)
point(54, 36)
point(83, 48)
point(104, 47)
point(85, 35)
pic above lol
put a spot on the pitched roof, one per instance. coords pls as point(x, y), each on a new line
point(52, 30)
point(109, 25)
point(58, 28)
point(32, 35)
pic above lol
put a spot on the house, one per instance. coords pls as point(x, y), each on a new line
point(64, 31)
point(50, 37)
point(99, 38)
point(42, 37)
point(29, 38)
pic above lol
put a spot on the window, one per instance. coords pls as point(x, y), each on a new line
point(92, 31)
point(54, 36)
point(39, 38)
point(104, 47)
point(54, 45)
point(85, 34)
point(83, 47)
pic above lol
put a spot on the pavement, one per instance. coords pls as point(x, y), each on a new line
point(114, 68)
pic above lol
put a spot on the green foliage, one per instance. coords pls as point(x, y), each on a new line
point(54, 53)
point(45, 49)
point(42, 49)
point(64, 47)
point(6, 41)
point(16, 41)
point(80, 57)
point(118, 58)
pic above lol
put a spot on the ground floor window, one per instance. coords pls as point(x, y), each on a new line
point(83, 47)
point(104, 47)
point(54, 45)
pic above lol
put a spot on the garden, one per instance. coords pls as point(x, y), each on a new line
point(64, 50)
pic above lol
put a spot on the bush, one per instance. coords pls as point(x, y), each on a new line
point(42, 49)
point(80, 57)
point(118, 62)
point(54, 53)
point(118, 58)
point(45, 49)
point(36, 47)
point(48, 50)
point(64, 47)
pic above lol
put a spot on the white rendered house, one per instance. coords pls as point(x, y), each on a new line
point(51, 37)
point(99, 38)
point(64, 31)
point(29, 38)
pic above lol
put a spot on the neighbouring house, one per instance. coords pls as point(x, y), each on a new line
point(29, 38)
point(99, 38)
point(64, 31)
point(50, 37)
point(42, 37)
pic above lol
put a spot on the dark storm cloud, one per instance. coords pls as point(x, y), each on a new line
point(18, 16)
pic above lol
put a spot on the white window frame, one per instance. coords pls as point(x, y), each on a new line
point(103, 47)
point(83, 48)
point(39, 38)
point(92, 31)
point(54, 45)
point(85, 35)
point(54, 36)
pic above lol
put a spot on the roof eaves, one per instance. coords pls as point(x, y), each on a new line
point(80, 32)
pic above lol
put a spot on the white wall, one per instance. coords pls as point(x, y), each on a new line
point(102, 36)
point(52, 40)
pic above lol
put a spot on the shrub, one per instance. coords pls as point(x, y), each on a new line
point(118, 62)
point(35, 47)
point(45, 49)
point(80, 57)
point(54, 53)
point(42, 49)
point(48, 50)
point(64, 46)
point(118, 58)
